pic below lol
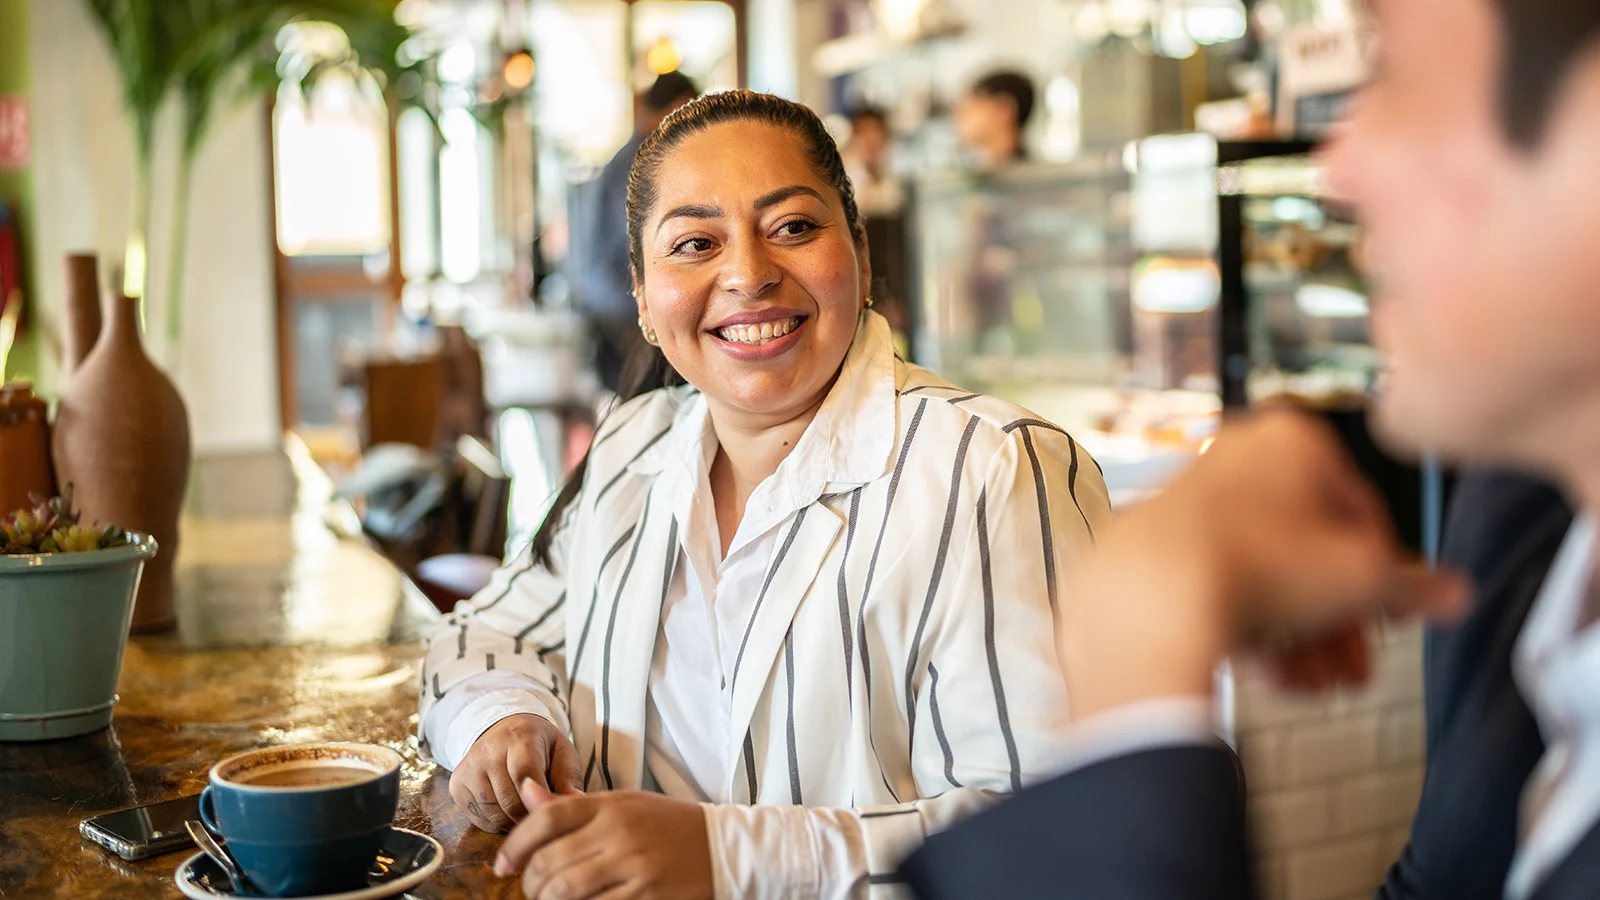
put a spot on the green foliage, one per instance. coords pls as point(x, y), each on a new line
point(209, 53)
point(207, 50)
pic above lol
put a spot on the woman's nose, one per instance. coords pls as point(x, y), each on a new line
point(748, 269)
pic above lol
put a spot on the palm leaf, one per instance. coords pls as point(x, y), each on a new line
point(212, 52)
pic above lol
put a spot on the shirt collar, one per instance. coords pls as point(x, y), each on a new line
point(850, 441)
point(1555, 623)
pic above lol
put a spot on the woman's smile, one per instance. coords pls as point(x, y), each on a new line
point(758, 335)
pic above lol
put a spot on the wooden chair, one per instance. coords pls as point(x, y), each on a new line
point(475, 520)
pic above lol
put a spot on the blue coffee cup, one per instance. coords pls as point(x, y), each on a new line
point(304, 819)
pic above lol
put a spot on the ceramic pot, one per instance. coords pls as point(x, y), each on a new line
point(80, 311)
point(63, 629)
point(122, 441)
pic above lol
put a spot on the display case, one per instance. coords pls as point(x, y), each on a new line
point(1295, 316)
point(1085, 292)
point(1133, 299)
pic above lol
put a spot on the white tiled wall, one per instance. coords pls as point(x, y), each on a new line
point(1333, 781)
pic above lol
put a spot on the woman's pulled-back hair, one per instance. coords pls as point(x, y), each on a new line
point(648, 369)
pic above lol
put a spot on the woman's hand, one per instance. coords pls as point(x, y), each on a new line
point(514, 749)
point(610, 845)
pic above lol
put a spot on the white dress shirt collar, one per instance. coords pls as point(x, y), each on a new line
point(850, 441)
point(1557, 668)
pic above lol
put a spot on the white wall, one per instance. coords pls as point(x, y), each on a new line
point(774, 54)
point(83, 183)
point(1334, 780)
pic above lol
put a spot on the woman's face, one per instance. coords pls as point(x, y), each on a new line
point(751, 279)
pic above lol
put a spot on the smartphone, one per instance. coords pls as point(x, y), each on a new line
point(144, 831)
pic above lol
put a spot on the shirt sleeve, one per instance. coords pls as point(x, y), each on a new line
point(499, 654)
point(467, 710)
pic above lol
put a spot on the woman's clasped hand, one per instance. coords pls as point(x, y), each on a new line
point(609, 845)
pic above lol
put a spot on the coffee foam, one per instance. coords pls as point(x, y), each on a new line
point(259, 764)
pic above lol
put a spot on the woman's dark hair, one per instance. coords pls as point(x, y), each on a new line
point(647, 369)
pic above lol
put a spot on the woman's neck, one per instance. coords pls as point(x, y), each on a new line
point(749, 450)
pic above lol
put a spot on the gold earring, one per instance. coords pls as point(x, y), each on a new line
point(869, 301)
point(650, 336)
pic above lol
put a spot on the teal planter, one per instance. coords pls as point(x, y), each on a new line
point(63, 626)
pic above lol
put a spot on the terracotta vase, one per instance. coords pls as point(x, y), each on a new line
point(122, 440)
point(24, 447)
point(80, 311)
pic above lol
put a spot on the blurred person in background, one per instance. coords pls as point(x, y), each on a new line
point(991, 117)
point(602, 246)
point(990, 122)
point(880, 197)
point(866, 160)
point(1471, 161)
point(777, 621)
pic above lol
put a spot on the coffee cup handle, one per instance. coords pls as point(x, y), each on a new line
point(208, 815)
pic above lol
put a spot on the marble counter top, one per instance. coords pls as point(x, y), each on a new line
point(288, 633)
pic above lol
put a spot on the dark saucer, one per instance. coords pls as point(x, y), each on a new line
point(406, 860)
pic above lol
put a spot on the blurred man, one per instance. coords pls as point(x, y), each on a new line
point(1472, 160)
point(604, 283)
point(990, 118)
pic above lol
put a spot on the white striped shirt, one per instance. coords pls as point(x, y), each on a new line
point(894, 670)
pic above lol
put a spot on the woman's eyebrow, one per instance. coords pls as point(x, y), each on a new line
point(691, 211)
point(773, 198)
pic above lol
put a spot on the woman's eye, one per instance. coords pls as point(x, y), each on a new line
point(692, 245)
point(796, 228)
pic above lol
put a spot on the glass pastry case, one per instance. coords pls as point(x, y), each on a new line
point(1086, 292)
point(1295, 318)
point(1133, 298)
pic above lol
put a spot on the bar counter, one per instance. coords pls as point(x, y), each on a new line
point(288, 632)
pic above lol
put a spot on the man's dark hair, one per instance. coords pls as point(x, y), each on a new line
point(668, 90)
point(1016, 86)
point(867, 111)
point(1543, 40)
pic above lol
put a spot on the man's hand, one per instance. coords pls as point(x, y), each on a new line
point(1272, 543)
point(612, 845)
point(515, 748)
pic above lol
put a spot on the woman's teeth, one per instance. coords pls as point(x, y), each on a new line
point(758, 334)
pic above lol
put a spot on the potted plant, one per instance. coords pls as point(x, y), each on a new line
point(66, 599)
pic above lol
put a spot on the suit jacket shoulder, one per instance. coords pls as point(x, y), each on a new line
point(1160, 824)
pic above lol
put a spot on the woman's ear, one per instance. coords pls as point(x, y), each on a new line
point(864, 265)
point(638, 295)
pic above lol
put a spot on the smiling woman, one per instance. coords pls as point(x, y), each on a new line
point(795, 611)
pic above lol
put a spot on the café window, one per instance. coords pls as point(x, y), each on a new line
point(332, 185)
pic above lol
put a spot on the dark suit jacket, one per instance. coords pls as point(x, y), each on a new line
point(1504, 531)
point(1170, 823)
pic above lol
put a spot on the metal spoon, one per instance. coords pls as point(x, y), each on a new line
point(237, 882)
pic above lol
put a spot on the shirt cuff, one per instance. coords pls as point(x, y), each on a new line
point(760, 851)
point(1146, 725)
point(466, 711)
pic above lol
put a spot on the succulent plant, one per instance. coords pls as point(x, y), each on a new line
point(51, 526)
